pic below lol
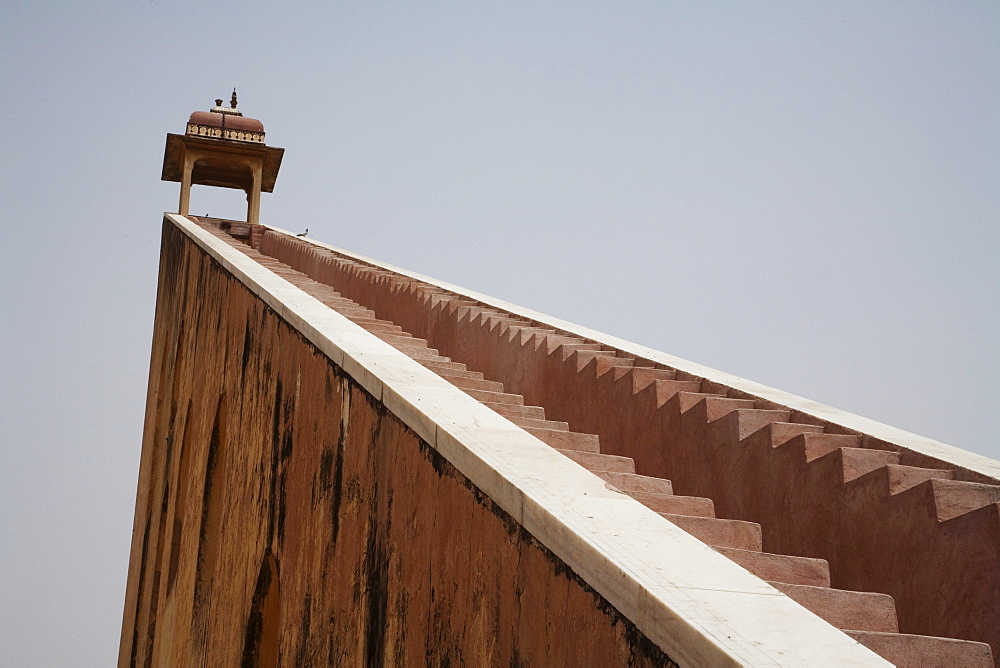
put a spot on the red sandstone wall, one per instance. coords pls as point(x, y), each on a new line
point(284, 517)
point(934, 545)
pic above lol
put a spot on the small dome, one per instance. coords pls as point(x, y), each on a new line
point(229, 121)
point(225, 123)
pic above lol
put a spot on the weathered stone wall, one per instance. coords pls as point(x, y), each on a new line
point(283, 516)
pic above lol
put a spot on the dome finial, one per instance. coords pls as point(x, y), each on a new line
point(233, 102)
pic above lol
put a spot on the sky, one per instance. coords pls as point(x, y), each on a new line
point(804, 194)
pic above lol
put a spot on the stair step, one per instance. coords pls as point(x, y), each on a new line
point(401, 339)
point(494, 320)
point(742, 422)
point(442, 365)
point(567, 440)
point(527, 333)
point(511, 411)
point(781, 567)
point(856, 462)
point(715, 406)
point(620, 372)
point(694, 506)
point(505, 398)
point(345, 307)
point(373, 325)
point(373, 328)
point(531, 423)
point(459, 379)
point(666, 389)
point(361, 320)
point(553, 342)
point(458, 305)
point(782, 432)
point(473, 312)
point(908, 651)
point(348, 312)
point(633, 482)
point(596, 462)
point(501, 321)
point(417, 353)
point(816, 445)
point(510, 328)
point(735, 534)
point(585, 357)
point(687, 400)
point(605, 364)
point(954, 497)
point(902, 478)
point(864, 611)
point(565, 350)
point(643, 377)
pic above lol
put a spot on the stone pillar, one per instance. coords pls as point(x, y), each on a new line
point(186, 184)
point(253, 197)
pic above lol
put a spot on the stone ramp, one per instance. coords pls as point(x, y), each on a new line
point(871, 617)
point(887, 518)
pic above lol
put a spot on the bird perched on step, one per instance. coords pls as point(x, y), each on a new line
point(302, 234)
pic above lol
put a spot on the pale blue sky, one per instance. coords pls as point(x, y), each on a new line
point(804, 194)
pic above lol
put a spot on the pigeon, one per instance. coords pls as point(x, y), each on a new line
point(303, 233)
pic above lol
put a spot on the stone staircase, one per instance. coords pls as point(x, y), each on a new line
point(737, 437)
point(885, 517)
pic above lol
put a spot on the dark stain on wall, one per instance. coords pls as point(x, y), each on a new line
point(326, 470)
point(247, 347)
point(275, 450)
point(338, 480)
point(282, 506)
point(376, 559)
point(211, 477)
point(301, 658)
point(376, 568)
point(261, 636)
point(142, 578)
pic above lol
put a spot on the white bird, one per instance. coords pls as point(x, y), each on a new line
point(303, 233)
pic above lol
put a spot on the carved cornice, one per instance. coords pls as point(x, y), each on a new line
point(232, 134)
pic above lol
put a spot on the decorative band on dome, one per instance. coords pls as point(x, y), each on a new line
point(219, 132)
